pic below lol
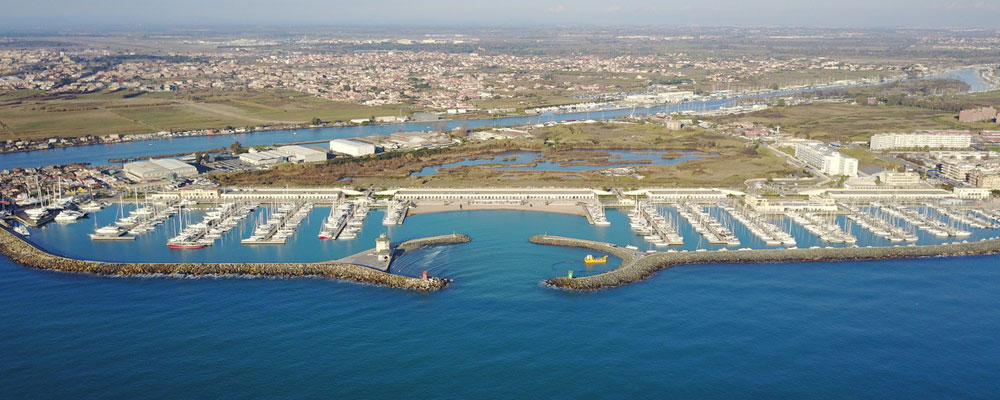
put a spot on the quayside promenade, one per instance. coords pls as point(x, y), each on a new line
point(637, 266)
point(25, 253)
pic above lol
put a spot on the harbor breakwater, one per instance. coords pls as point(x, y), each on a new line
point(27, 254)
point(637, 266)
point(414, 244)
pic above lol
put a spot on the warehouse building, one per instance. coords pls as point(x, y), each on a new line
point(158, 170)
point(263, 158)
point(352, 147)
point(302, 154)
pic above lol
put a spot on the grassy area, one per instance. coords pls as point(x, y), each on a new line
point(27, 115)
point(393, 169)
point(868, 159)
point(847, 122)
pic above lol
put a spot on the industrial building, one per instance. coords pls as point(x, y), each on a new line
point(352, 147)
point(158, 170)
point(826, 160)
point(263, 158)
point(922, 139)
point(302, 154)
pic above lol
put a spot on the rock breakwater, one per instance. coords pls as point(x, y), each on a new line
point(637, 266)
point(27, 254)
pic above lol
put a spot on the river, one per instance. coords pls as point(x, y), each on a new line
point(100, 154)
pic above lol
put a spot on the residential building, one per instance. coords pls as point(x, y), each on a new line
point(957, 170)
point(826, 160)
point(985, 179)
point(939, 139)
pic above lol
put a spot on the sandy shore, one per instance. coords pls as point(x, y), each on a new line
point(427, 208)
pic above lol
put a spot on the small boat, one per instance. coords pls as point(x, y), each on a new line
point(185, 245)
point(589, 259)
point(69, 216)
point(21, 230)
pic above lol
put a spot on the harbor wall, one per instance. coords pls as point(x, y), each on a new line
point(414, 244)
point(634, 270)
point(27, 254)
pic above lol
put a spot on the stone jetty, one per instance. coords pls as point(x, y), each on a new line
point(27, 254)
point(637, 266)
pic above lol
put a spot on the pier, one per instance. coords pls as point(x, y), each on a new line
point(215, 224)
point(881, 224)
point(356, 220)
point(334, 223)
point(963, 218)
point(823, 226)
point(759, 226)
point(595, 214)
point(924, 222)
point(645, 220)
point(279, 225)
point(395, 212)
point(709, 227)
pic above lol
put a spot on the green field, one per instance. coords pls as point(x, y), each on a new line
point(557, 143)
point(847, 122)
point(28, 115)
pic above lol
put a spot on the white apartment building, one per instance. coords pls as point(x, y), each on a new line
point(827, 160)
point(922, 139)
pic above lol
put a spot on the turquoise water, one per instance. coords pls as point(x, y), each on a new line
point(623, 157)
point(924, 328)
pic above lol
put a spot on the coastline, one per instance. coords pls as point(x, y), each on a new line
point(25, 253)
point(638, 266)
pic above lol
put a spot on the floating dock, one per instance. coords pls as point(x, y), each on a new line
point(395, 213)
point(280, 225)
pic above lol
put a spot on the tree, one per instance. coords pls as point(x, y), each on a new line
point(316, 121)
point(235, 147)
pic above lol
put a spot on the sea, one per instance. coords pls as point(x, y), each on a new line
point(915, 328)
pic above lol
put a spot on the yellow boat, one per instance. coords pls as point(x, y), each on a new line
point(589, 259)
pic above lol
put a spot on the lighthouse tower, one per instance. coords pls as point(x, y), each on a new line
point(382, 248)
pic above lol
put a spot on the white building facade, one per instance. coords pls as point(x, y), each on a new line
point(827, 160)
point(922, 139)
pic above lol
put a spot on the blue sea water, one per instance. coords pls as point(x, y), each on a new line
point(923, 328)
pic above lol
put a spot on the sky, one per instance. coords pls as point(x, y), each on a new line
point(465, 13)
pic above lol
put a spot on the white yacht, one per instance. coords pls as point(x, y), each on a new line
point(21, 230)
point(36, 213)
point(69, 216)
